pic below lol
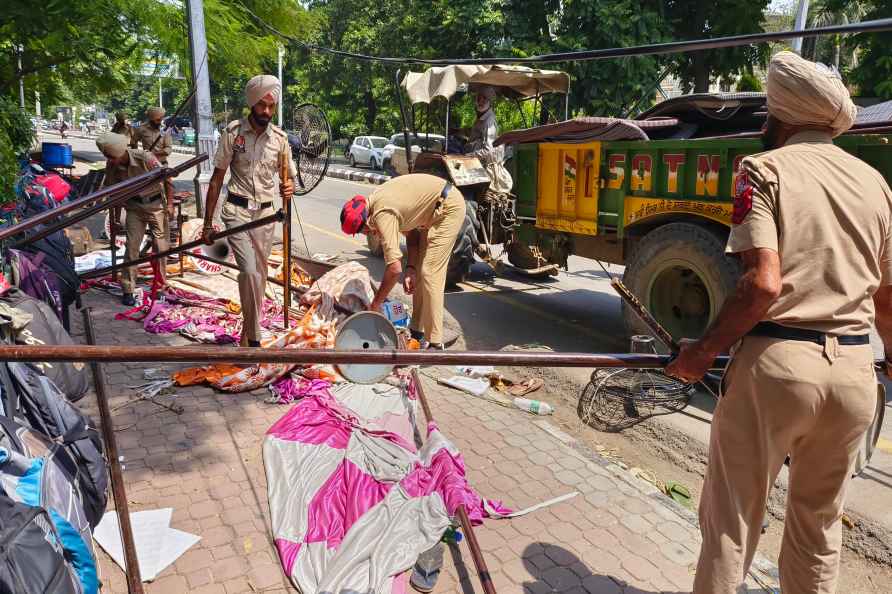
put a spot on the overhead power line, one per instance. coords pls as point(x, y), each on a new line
point(674, 47)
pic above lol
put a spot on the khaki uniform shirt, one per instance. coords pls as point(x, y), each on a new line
point(400, 205)
point(147, 135)
point(828, 215)
point(140, 162)
point(253, 160)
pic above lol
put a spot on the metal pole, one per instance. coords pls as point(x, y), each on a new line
point(160, 93)
point(801, 16)
point(284, 175)
point(273, 218)
point(214, 354)
point(21, 80)
point(461, 512)
point(112, 195)
point(204, 119)
point(281, 82)
point(122, 508)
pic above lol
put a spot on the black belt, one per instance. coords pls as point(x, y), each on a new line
point(146, 199)
point(244, 202)
point(772, 330)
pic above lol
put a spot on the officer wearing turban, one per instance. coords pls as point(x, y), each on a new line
point(812, 227)
point(250, 149)
point(144, 210)
point(122, 127)
point(158, 142)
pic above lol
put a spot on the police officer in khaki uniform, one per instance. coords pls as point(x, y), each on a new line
point(147, 209)
point(430, 212)
point(812, 226)
point(158, 142)
point(249, 148)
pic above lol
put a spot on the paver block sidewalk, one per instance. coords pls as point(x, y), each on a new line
point(618, 535)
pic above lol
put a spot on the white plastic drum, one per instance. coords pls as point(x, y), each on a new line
point(366, 330)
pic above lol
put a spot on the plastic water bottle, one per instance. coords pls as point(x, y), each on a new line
point(536, 407)
point(396, 312)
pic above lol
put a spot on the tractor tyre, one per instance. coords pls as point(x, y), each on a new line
point(682, 276)
point(465, 247)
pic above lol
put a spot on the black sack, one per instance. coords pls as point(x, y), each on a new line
point(32, 560)
point(45, 409)
point(45, 328)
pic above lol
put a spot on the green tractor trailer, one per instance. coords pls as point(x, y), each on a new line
point(653, 194)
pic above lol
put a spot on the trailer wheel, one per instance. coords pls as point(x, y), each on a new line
point(680, 273)
point(465, 247)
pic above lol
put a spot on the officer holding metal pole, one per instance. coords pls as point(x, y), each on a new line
point(812, 226)
point(251, 149)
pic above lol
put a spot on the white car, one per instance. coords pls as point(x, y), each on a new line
point(367, 150)
point(394, 154)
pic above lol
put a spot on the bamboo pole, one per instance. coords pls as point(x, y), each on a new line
point(284, 176)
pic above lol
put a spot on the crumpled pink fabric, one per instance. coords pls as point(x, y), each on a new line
point(289, 388)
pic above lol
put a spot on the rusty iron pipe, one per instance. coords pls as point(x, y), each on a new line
point(116, 473)
point(116, 191)
point(186, 246)
point(215, 354)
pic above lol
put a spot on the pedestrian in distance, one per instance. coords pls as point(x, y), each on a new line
point(429, 211)
point(812, 227)
point(250, 149)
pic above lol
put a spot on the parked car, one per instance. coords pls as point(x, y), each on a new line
point(394, 154)
point(366, 150)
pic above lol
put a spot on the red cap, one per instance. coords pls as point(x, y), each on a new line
point(354, 214)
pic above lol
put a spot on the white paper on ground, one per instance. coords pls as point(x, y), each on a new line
point(475, 370)
point(157, 544)
point(473, 386)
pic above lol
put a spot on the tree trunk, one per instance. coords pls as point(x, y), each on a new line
point(371, 111)
point(701, 73)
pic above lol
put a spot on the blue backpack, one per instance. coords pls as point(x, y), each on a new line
point(37, 472)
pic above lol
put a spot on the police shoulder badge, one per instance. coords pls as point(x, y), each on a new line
point(152, 162)
point(743, 197)
point(238, 145)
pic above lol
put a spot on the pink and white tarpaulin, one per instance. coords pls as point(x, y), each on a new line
point(353, 503)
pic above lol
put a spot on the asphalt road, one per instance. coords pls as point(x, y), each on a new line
point(577, 311)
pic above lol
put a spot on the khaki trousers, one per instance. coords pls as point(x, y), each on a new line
point(783, 397)
point(433, 259)
point(140, 216)
point(251, 250)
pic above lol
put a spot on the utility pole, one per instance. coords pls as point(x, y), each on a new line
point(37, 103)
point(22, 81)
point(801, 15)
point(160, 93)
point(203, 120)
point(281, 82)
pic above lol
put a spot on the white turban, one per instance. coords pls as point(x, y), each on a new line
point(261, 85)
point(803, 93)
point(155, 111)
point(112, 145)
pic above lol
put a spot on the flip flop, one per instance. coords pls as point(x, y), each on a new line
point(527, 386)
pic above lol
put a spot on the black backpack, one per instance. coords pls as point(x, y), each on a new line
point(32, 560)
point(55, 254)
point(32, 397)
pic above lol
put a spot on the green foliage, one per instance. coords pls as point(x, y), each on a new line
point(696, 19)
point(873, 73)
point(749, 83)
point(16, 137)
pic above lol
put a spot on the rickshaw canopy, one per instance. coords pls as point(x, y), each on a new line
point(509, 81)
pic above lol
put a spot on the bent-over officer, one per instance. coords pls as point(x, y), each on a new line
point(158, 142)
point(250, 149)
point(812, 226)
point(430, 212)
point(145, 210)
